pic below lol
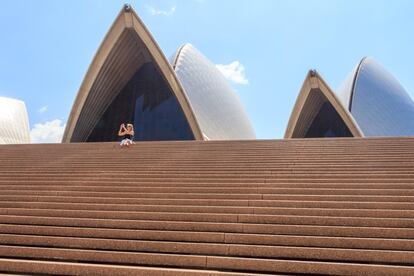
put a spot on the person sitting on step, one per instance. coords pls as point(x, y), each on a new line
point(127, 133)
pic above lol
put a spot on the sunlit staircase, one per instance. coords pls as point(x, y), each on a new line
point(282, 207)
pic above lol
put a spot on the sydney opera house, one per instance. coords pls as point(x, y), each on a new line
point(187, 98)
point(269, 207)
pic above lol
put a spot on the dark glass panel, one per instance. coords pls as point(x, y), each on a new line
point(328, 123)
point(148, 103)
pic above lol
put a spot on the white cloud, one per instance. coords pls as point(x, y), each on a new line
point(43, 109)
point(154, 11)
point(48, 132)
point(234, 72)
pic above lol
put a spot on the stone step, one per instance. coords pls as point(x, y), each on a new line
point(217, 217)
point(247, 228)
point(280, 162)
point(74, 268)
point(226, 154)
point(208, 190)
point(107, 201)
point(284, 167)
point(274, 159)
point(215, 249)
point(266, 197)
point(196, 183)
point(276, 211)
point(203, 261)
point(106, 178)
point(212, 237)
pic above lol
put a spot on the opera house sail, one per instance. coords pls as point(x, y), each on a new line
point(371, 102)
point(130, 80)
point(216, 106)
point(14, 122)
point(377, 101)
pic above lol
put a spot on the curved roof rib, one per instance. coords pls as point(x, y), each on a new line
point(346, 90)
point(216, 106)
point(313, 94)
point(126, 47)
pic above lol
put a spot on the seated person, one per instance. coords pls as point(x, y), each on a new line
point(127, 133)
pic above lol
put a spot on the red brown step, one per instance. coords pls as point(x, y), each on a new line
point(273, 229)
point(275, 211)
point(200, 261)
point(211, 237)
point(68, 268)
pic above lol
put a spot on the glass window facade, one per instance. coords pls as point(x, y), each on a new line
point(149, 104)
point(328, 123)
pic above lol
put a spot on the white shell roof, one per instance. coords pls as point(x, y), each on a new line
point(216, 106)
point(14, 122)
point(377, 101)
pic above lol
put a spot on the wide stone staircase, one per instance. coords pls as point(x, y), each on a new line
point(282, 207)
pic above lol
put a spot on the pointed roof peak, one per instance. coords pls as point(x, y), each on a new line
point(127, 7)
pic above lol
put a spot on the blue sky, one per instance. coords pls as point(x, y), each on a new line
point(47, 46)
